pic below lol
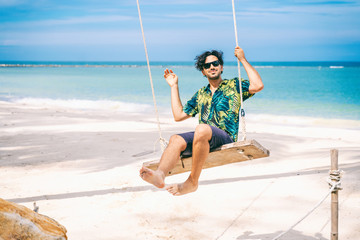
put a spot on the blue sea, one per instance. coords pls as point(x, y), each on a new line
point(313, 89)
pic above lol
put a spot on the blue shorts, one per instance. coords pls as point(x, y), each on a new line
point(219, 137)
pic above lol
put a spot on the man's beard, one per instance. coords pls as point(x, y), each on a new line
point(214, 77)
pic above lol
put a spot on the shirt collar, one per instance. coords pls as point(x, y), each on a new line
point(223, 82)
point(207, 88)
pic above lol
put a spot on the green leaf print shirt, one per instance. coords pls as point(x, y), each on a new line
point(222, 109)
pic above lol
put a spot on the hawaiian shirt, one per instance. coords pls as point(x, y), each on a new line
point(220, 110)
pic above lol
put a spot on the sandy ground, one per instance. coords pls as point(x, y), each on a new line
point(81, 168)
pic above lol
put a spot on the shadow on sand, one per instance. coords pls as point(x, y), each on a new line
point(346, 167)
point(293, 235)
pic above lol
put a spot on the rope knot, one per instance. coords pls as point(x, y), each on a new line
point(334, 179)
point(163, 143)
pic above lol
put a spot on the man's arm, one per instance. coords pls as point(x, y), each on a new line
point(176, 105)
point(256, 84)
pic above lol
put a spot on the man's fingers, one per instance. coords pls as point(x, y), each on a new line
point(166, 73)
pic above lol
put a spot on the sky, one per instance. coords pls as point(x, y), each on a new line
point(178, 30)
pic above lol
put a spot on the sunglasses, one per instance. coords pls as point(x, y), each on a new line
point(214, 63)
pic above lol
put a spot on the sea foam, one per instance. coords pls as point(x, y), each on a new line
point(80, 104)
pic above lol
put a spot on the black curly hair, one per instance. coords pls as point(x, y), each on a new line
point(200, 59)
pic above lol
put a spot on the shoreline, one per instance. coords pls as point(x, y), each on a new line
point(119, 107)
point(25, 63)
point(81, 168)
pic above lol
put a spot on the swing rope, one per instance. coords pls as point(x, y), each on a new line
point(163, 142)
point(242, 111)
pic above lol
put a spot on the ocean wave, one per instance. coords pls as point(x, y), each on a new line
point(80, 104)
point(264, 66)
point(159, 65)
point(91, 66)
point(70, 66)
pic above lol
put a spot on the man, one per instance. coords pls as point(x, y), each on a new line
point(218, 106)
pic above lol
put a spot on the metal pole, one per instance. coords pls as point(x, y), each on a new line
point(334, 199)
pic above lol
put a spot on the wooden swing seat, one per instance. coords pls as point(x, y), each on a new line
point(226, 154)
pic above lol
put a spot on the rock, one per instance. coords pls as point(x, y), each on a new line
point(21, 223)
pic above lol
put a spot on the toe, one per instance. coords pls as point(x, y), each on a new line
point(172, 189)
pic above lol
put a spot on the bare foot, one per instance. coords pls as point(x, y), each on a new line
point(183, 188)
point(154, 177)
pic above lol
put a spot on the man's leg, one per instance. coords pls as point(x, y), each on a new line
point(201, 149)
point(167, 162)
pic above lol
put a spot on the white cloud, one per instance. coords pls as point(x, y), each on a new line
point(10, 3)
point(55, 38)
point(86, 20)
point(68, 21)
point(202, 15)
point(177, 2)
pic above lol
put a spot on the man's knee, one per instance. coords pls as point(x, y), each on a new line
point(203, 132)
point(178, 142)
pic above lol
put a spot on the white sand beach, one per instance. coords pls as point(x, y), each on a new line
point(82, 169)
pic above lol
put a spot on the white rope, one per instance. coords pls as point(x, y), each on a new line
point(243, 211)
point(242, 111)
point(334, 182)
point(163, 142)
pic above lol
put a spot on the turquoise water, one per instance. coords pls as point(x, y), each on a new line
point(316, 89)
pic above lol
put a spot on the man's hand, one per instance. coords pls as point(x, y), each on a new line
point(239, 53)
point(170, 77)
point(256, 84)
point(176, 105)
